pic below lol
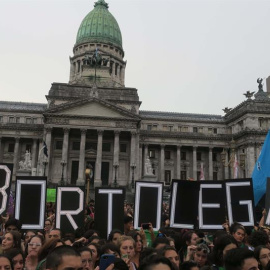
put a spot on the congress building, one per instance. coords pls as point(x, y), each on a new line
point(93, 120)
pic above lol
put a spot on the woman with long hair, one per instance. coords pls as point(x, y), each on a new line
point(262, 255)
point(11, 240)
point(32, 250)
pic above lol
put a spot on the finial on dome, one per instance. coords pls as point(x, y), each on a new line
point(101, 3)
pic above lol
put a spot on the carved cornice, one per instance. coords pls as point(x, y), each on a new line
point(27, 127)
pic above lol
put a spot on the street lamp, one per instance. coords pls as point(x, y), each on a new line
point(88, 176)
point(63, 164)
point(44, 162)
point(133, 167)
point(115, 174)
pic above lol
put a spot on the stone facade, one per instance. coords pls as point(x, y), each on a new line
point(96, 119)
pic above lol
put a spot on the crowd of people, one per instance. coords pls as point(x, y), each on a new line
point(233, 248)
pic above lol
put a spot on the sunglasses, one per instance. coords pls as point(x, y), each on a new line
point(205, 251)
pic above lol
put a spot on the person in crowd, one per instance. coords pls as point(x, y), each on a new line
point(156, 262)
point(138, 246)
point(47, 228)
point(96, 252)
point(170, 253)
point(55, 233)
point(262, 255)
point(110, 248)
point(240, 259)
point(127, 246)
point(17, 258)
point(238, 232)
point(160, 242)
point(64, 257)
point(189, 241)
point(222, 245)
point(11, 239)
point(199, 255)
point(86, 257)
point(13, 224)
point(5, 263)
point(258, 238)
point(189, 265)
point(114, 236)
point(32, 250)
point(27, 236)
point(128, 224)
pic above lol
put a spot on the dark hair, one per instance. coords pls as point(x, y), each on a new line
point(59, 230)
point(236, 226)
point(160, 240)
point(188, 265)
point(258, 238)
point(217, 255)
point(111, 234)
point(150, 261)
point(54, 259)
point(127, 219)
point(234, 258)
point(13, 253)
point(110, 246)
point(257, 252)
point(83, 249)
point(16, 239)
point(13, 222)
point(163, 250)
point(148, 251)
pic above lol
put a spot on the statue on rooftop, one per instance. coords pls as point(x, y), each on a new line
point(260, 86)
point(148, 170)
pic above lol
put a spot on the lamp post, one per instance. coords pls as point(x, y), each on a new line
point(63, 164)
point(88, 175)
point(133, 167)
point(115, 174)
point(44, 162)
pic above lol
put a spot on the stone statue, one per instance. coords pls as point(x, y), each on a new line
point(260, 86)
point(27, 163)
point(249, 94)
point(148, 170)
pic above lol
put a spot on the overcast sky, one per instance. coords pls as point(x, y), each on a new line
point(182, 56)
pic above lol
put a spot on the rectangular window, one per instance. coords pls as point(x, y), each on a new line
point(18, 120)
point(170, 128)
point(195, 129)
point(28, 120)
point(183, 175)
point(199, 156)
point(91, 146)
point(214, 157)
point(149, 127)
point(76, 146)
point(183, 156)
point(34, 120)
point(167, 177)
point(1, 119)
point(123, 148)
point(11, 119)
point(215, 130)
point(58, 145)
point(106, 147)
point(215, 175)
point(167, 154)
point(11, 147)
point(29, 147)
point(152, 153)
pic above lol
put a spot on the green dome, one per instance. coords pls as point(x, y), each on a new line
point(99, 25)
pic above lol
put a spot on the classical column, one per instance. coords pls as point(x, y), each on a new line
point(145, 157)
point(65, 152)
point(137, 158)
point(116, 154)
point(226, 168)
point(113, 69)
point(140, 162)
point(250, 159)
point(48, 143)
point(15, 158)
point(80, 180)
point(123, 75)
point(132, 153)
point(98, 181)
point(1, 150)
point(178, 162)
point(210, 163)
point(34, 153)
point(194, 171)
point(162, 159)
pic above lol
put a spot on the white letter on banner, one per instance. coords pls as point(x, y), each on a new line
point(172, 217)
point(3, 188)
point(68, 213)
point(250, 222)
point(267, 221)
point(207, 205)
point(140, 185)
point(110, 193)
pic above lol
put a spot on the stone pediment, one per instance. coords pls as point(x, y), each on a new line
point(92, 107)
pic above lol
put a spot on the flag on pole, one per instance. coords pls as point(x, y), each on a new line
point(235, 168)
point(261, 171)
point(202, 173)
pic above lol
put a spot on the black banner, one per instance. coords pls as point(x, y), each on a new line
point(69, 208)
point(5, 184)
point(30, 201)
point(109, 210)
point(148, 204)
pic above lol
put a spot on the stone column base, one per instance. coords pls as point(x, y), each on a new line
point(150, 178)
point(97, 183)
